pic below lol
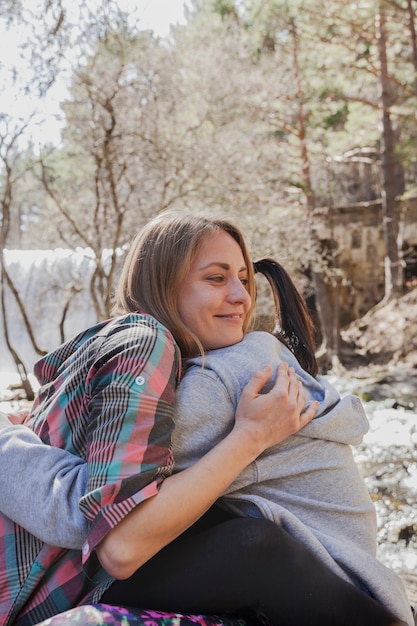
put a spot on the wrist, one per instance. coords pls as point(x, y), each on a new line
point(247, 439)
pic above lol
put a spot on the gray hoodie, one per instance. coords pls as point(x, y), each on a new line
point(309, 483)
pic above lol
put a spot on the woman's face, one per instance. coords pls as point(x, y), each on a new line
point(213, 301)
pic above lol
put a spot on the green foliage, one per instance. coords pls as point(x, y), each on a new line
point(260, 110)
point(337, 120)
point(224, 7)
point(250, 106)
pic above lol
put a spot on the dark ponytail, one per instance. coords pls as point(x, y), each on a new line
point(295, 326)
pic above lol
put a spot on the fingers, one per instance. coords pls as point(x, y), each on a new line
point(258, 380)
point(309, 413)
point(287, 384)
point(296, 389)
point(282, 374)
point(275, 415)
point(297, 394)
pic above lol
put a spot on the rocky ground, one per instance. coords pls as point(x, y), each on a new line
point(385, 339)
point(379, 355)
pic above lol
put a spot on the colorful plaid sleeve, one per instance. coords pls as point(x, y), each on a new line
point(108, 397)
point(131, 389)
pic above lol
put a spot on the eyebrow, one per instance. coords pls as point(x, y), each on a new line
point(224, 266)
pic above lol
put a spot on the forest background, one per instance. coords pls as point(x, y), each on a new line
point(260, 110)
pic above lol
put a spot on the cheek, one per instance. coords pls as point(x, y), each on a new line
point(185, 303)
point(191, 307)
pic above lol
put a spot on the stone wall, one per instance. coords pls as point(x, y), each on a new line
point(352, 241)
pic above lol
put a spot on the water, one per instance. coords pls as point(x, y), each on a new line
point(49, 283)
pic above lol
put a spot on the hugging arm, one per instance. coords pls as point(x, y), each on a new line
point(158, 521)
point(51, 481)
point(40, 486)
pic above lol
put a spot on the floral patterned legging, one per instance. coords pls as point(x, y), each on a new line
point(106, 615)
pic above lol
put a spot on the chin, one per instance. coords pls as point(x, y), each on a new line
point(230, 341)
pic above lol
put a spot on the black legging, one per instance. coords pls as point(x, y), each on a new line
point(227, 564)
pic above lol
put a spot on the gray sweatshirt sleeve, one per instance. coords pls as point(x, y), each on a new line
point(40, 487)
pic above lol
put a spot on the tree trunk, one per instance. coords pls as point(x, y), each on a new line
point(393, 266)
point(326, 296)
point(6, 227)
point(413, 39)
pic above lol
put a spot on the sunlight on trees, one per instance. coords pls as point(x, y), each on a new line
point(260, 110)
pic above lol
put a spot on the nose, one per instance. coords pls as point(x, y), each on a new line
point(238, 293)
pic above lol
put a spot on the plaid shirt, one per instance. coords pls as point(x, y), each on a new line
point(107, 396)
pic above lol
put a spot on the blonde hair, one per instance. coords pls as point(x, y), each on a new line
point(158, 262)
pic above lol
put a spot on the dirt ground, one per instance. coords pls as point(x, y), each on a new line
point(385, 337)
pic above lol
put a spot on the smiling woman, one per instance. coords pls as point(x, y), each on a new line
point(107, 396)
point(214, 300)
point(155, 538)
